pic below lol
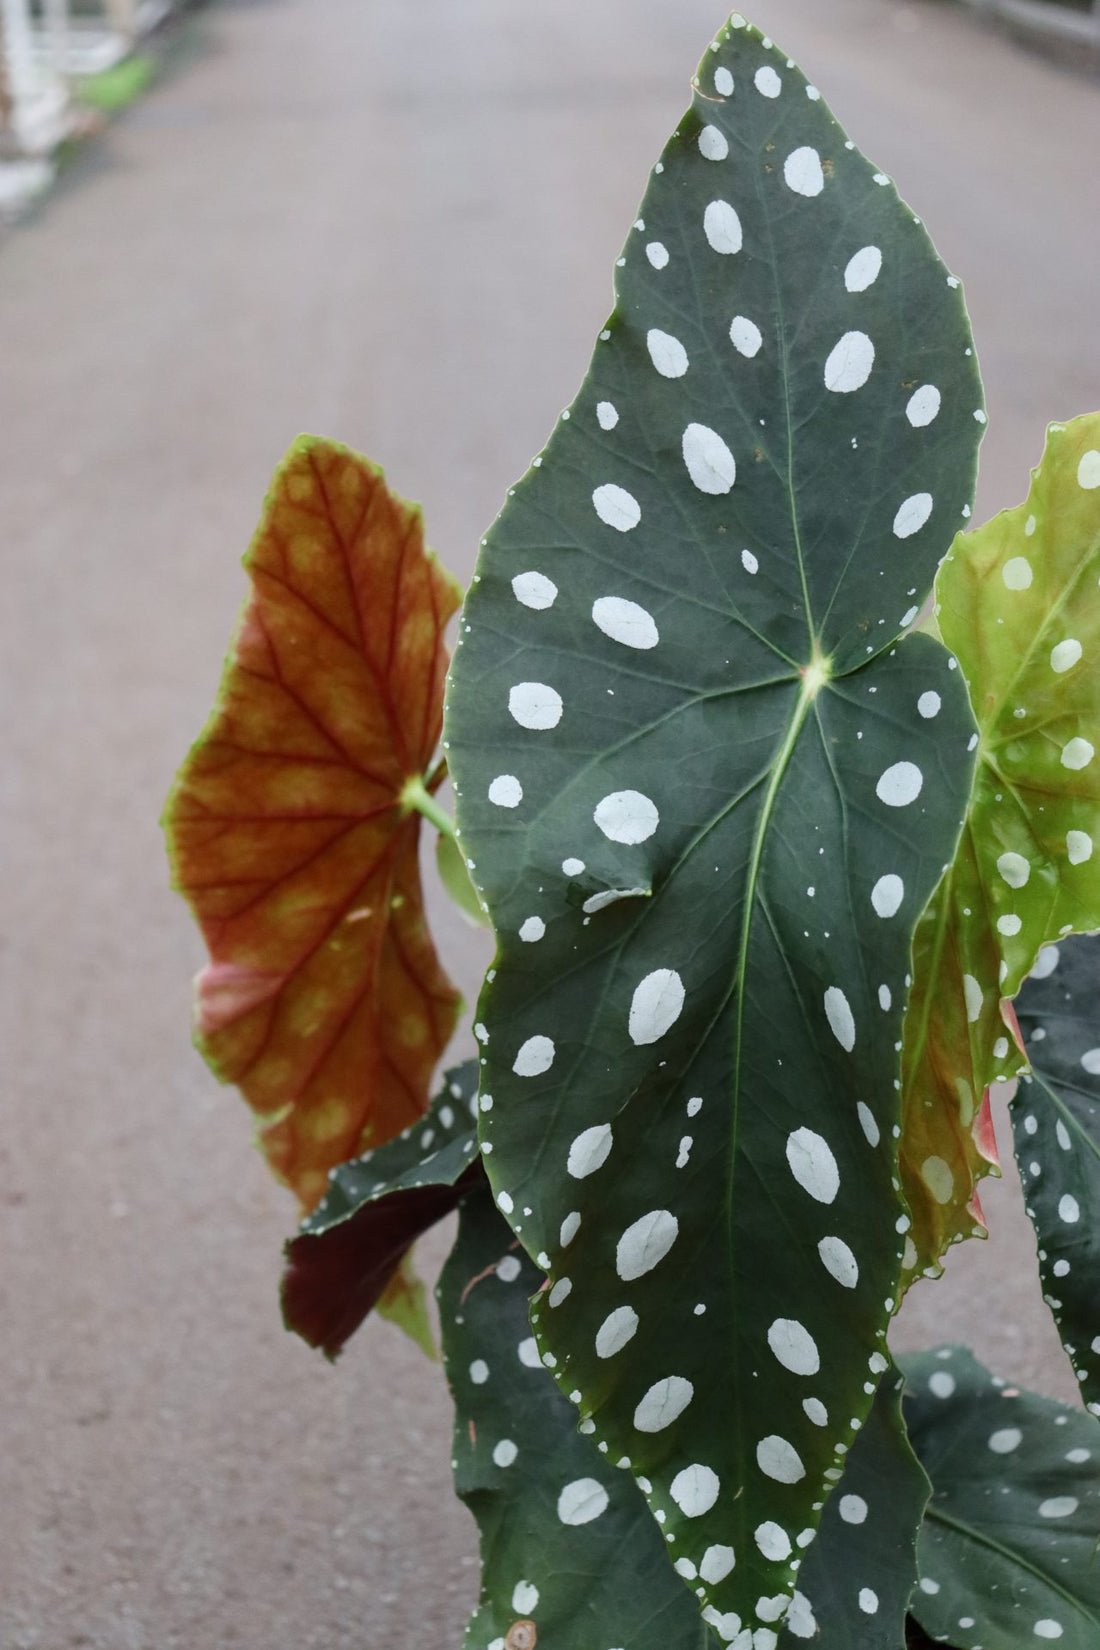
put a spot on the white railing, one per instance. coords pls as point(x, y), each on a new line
point(43, 49)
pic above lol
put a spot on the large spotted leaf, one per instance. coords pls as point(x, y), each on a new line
point(1008, 1548)
point(352, 1253)
point(290, 833)
point(704, 793)
point(569, 1553)
point(1056, 1131)
point(1017, 603)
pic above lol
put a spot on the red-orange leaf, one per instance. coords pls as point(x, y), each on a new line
point(324, 999)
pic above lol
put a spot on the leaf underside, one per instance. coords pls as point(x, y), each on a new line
point(1056, 1132)
point(693, 836)
point(1008, 1545)
point(324, 1000)
point(352, 1253)
point(1017, 604)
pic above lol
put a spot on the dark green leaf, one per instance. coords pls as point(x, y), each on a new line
point(567, 1542)
point(858, 1575)
point(353, 1244)
point(1008, 1550)
point(690, 756)
point(1056, 1133)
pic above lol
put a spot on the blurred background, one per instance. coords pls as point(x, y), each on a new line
point(393, 223)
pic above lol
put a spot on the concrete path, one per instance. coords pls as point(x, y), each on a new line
point(394, 223)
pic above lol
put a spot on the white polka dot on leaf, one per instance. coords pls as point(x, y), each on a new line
point(716, 1564)
point(617, 1329)
point(534, 590)
point(535, 706)
point(657, 253)
point(1077, 754)
point(767, 82)
point(535, 1056)
point(713, 144)
point(664, 1403)
point(607, 415)
point(1065, 655)
point(695, 1489)
point(645, 1244)
point(813, 1165)
point(656, 1005)
point(722, 228)
point(667, 353)
point(887, 895)
point(912, 515)
point(582, 1501)
point(625, 622)
point(849, 364)
point(794, 1347)
point(839, 1015)
point(863, 269)
point(1016, 574)
point(899, 785)
point(923, 406)
point(589, 1151)
point(745, 336)
point(506, 791)
point(616, 507)
point(802, 172)
point(839, 1261)
point(1088, 470)
point(709, 462)
point(778, 1459)
point(773, 1541)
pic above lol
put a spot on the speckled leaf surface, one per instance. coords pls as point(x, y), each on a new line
point(1056, 1134)
point(324, 1000)
point(351, 1254)
point(1008, 1549)
point(569, 1552)
point(705, 793)
point(1017, 603)
point(857, 1576)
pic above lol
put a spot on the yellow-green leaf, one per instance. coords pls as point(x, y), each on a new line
point(1018, 605)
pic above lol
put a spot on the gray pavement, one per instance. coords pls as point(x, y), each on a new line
point(393, 223)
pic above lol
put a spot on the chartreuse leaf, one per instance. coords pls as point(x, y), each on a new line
point(569, 1552)
point(456, 879)
point(355, 1244)
point(858, 1575)
point(1017, 604)
point(289, 831)
point(704, 797)
point(1008, 1549)
point(1056, 1132)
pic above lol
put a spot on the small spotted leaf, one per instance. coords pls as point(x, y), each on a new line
point(324, 1000)
point(705, 800)
point(352, 1253)
point(567, 1542)
point(1008, 1546)
point(1056, 1132)
point(857, 1576)
point(1017, 604)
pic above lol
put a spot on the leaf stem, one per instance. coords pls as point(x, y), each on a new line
point(415, 795)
